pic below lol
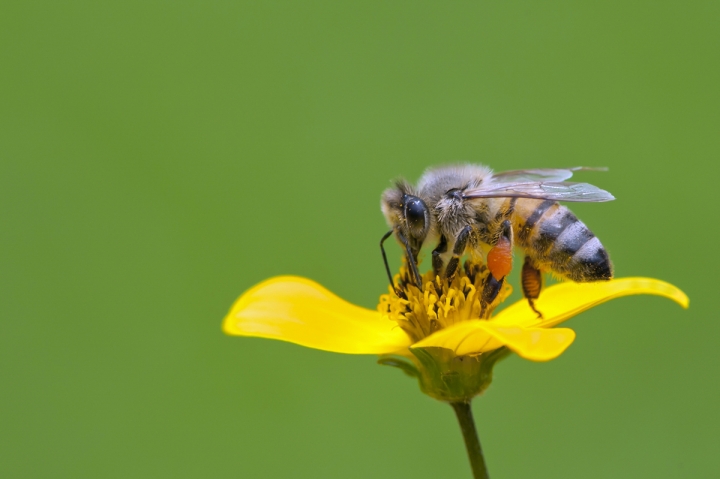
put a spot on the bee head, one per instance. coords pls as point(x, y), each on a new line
point(417, 217)
point(407, 214)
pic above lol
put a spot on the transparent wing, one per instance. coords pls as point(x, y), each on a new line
point(550, 190)
point(540, 174)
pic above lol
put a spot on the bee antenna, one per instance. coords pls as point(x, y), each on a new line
point(387, 267)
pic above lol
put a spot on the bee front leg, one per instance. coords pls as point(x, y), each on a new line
point(411, 260)
point(437, 261)
point(458, 250)
point(531, 281)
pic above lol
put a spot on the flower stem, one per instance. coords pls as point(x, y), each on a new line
point(472, 443)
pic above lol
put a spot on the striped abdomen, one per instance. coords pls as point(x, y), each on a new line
point(556, 240)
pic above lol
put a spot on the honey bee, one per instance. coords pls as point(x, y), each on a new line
point(469, 209)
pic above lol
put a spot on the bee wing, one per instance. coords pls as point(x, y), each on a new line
point(549, 190)
point(540, 174)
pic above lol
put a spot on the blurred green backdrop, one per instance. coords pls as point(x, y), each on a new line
point(158, 158)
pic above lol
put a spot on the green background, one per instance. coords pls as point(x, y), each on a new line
point(158, 158)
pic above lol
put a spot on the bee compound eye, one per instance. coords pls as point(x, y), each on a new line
point(415, 214)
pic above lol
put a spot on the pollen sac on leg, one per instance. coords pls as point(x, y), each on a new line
point(499, 259)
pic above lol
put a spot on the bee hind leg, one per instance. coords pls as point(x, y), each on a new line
point(491, 289)
point(499, 262)
point(531, 281)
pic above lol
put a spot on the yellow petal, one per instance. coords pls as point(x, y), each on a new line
point(478, 336)
point(301, 311)
point(562, 301)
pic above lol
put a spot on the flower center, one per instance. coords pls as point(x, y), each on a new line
point(440, 303)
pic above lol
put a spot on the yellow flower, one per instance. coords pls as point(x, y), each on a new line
point(444, 333)
point(444, 330)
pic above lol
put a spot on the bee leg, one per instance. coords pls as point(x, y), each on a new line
point(501, 222)
point(437, 261)
point(531, 281)
point(491, 288)
point(499, 262)
point(458, 250)
point(411, 260)
point(499, 258)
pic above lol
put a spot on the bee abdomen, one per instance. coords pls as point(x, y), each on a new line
point(562, 243)
point(590, 263)
point(576, 252)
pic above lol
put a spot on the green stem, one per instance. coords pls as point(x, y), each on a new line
point(472, 443)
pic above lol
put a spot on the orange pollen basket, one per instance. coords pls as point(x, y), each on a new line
point(499, 259)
